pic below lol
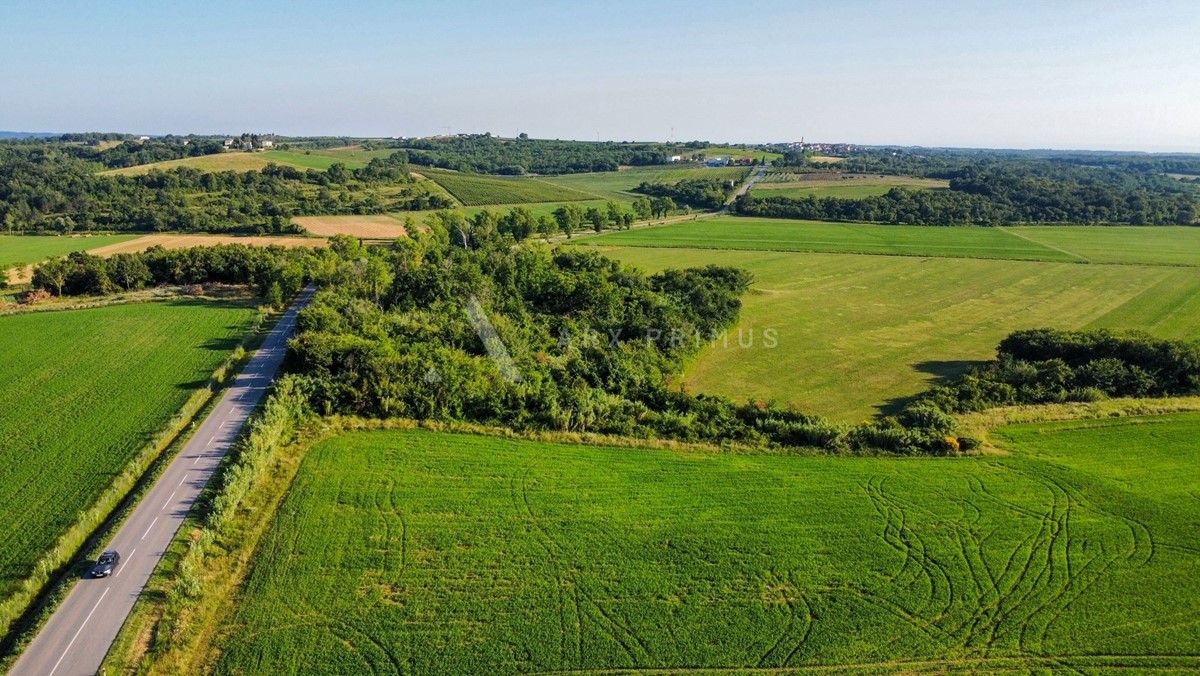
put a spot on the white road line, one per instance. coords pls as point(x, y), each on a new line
point(196, 460)
point(168, 502)
point(80, 631)
point(210, 440)
point(122, 566)
point(149, 527)
point(181, 481)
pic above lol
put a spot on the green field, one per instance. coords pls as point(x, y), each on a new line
point(1063, 243)
point(775, 234)
point(1159, 245)
point(237, 160)
point(23, 249)
point(619, 185)
point(857, 334)
point(479, 190)
point(84, 390)
point(429, 552)
point(845, 186)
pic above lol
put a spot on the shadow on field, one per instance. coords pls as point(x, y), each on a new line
point(222, 344)
point(941, 372)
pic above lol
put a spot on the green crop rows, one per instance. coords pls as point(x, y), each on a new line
point(84, 390)
point(428, 552)
point(479, 190)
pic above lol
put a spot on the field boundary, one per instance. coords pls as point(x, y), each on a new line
point(981, 424)
point(695, 247)
point(1027, 238)
point(54, 565)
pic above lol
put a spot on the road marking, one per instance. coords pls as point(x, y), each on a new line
point(196, 460)
point(170, 499)
point(80, 631)
point(122, 566)
point(181, 481)
point(149, 527)
point(210, 440)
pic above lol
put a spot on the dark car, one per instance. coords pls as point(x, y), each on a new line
point(106, 564)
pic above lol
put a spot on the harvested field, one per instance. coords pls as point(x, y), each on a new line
point(379, 226)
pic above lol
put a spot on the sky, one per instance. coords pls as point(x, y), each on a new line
point(1014, 74)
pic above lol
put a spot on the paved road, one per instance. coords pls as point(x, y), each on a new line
point(80, 631)
point(762, 170)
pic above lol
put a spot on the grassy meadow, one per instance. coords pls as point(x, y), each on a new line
point(424, 552)
point(775, 234)
point(854, 335)
point(84, 392)
point(25, 249)
point(479, 190)
point(618, 185)
point(845, 186)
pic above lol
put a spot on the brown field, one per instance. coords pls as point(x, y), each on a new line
point(822, 159)
point(17, 276)
point(371, 227)
point(188, 241)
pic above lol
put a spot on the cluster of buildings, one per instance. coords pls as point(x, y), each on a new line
point(250, 142)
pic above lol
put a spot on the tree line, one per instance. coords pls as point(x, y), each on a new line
point(486, 154)
point(43, 188)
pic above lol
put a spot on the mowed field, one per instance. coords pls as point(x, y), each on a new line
point(774, 234)
point(379, 226)
point(853, 336)
point(846, 186)
point(237, 160)
point(479, 189)
point(188, 241)
point(1175, 245)
point(84, 390)
point(425, 552)
point(618, 185)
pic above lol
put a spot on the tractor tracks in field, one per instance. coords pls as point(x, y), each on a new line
point(782, 590)
point(584, 604)
point(950, 584)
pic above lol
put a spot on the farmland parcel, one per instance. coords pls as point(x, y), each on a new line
point(434, 552)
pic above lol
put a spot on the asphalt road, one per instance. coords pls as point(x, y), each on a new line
point(82, 629)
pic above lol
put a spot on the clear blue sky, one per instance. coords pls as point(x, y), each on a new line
point(1051, 73)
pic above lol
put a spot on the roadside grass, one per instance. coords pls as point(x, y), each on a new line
point(855, 336)
point(73, 426)
point(450, 553)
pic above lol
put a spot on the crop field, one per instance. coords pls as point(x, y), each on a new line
point(83, 391)
point(618, 185)
point(187, 241)
point(423, 552)
point(17, 251)
point(1158, 245)
point(775, 234)
point(846, 186)
point(854, 335)
point(479, 190)
point(371, 227)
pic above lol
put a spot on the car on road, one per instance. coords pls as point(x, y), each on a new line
point(106, 564)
